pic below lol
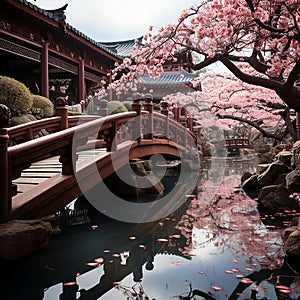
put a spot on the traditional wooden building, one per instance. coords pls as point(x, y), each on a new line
point(38, 48)
point(176, 77)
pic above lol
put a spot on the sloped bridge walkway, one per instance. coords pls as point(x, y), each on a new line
point(40, 176)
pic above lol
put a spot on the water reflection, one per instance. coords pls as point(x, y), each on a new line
point(214, 247)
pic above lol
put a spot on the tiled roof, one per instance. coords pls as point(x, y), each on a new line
point(58, 15)
point(121, 48)
point(169, 78)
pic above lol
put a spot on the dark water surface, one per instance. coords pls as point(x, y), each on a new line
point(213, 247)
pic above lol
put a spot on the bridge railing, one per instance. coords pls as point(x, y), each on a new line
point(15, 159)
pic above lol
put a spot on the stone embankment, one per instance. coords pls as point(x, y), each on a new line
point(278, 183)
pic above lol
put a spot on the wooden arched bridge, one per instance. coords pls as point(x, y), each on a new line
point(38, 175)
point(232, 143)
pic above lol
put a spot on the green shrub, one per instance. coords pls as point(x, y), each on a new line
point(44, 104)
point(115, 107)
point(14, 121)
point(14, 94)
point(127, 104)
point(74, 113)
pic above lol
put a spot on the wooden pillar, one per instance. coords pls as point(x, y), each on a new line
point(81, 83)
point(298, 125)
point(148, 106)
point(61, 110)
point(137, 107)
point(45, 70)
point(5, 180)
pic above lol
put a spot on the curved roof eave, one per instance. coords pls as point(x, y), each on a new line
point(51, 14)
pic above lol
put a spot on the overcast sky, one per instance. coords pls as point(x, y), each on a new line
point(116, 20)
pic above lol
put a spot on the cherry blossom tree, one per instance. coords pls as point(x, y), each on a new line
point(229, 98)
point(257, 40)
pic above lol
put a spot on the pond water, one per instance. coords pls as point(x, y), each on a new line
point(214, 246)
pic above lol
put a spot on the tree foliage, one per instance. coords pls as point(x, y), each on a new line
point(257, 40)
point(233, 101)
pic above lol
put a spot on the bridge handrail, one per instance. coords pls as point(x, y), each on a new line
point(188, 138)
point(55, 143)
point(15, 159)
point(28, 131)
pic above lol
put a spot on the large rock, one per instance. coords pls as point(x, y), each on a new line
point(295, 160)
point(272, 172)
point(277, 198)
point(136, 183)
point(285, 157)
point(292, 242)
point(20, 238)
point(251, 183)
point(293, 180)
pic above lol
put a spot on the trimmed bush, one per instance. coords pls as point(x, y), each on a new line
point(115, 107)
point(128, 104)
point(14, 121)
point(74, 113)
point(14, 94)
point(44, 104)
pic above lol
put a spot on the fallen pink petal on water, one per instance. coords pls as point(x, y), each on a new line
point(201, 272)
point(92, 264)
point(229, 272)
point(249, 269)
point(246, 281)
point(106, 251)
point(116, 282)
point(99, 260)
point(239, 276)
point(216, 288)
point(176, 236)
point(176, 263)
point(162, 240)
point(70, 283)
point(116, 255)
point(132, 238)
point(235, 270)
point(285, 291)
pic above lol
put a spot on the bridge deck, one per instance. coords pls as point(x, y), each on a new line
point(45, 169)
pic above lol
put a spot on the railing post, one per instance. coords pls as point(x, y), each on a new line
point(165, 111)
point(148, 106)
point(103, 112)
point(5, 195)
point(62, 111)
point(112, 142)
point(137, 107)
point(178, 112)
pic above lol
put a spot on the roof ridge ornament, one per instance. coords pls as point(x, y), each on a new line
point(58, 13)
